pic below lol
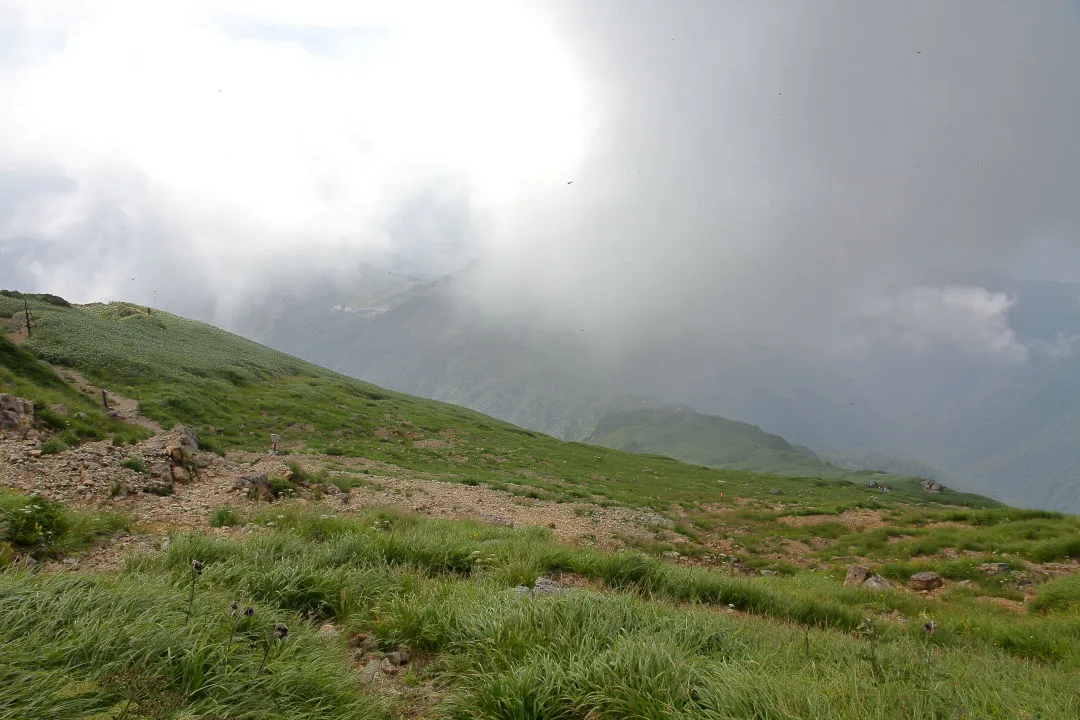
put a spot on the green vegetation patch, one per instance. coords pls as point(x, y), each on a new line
point(39, 527)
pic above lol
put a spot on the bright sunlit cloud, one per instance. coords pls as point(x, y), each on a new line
point(229, 117)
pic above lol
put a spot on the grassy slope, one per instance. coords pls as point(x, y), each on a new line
point(709, 440)
point(23, 374)
point(235, 392)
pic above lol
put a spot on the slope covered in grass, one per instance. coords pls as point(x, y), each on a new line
point(24, 375)
point(709, 440)
point(634, 638)
point(235, 393)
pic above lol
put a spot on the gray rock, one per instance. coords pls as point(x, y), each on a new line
point(876, 582)
point(546, 586)
point(856, 575)
point(398, 657)
point(370, 671)
point(496, 520)
point(16, 413)
point(994, 568)
point(188, 439)
point(925, 581)
point(542, 586)
point(246, 481)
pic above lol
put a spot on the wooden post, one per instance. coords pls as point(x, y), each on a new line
point(26, 310)
point(104, 399)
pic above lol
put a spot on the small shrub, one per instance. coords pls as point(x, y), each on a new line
point(1053, 550)
point(135, 463)
point(1058, 594)
point(300, 475)
point(34, 521)
point(53, 445)
point(225, 516)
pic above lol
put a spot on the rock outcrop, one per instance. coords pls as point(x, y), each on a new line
point(16, 413)
point(925, 581)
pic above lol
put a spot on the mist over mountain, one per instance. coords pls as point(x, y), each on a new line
point(1002, 424)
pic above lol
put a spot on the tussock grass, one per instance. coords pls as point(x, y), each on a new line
point(646, 639)
point(1059, 595)
point(63, 636)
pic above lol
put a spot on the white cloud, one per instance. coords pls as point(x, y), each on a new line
point(970, 319)
point(249, 141)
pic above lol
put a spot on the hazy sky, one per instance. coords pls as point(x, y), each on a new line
point(745, 171)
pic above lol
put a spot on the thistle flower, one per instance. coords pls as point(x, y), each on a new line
point(280, 631)
point(197, 567)
point(249, 611)
point(929, 628)
point(234, 606)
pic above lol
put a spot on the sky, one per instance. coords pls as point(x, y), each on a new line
point(702, 175)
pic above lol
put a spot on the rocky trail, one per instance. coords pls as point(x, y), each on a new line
point(167, 483)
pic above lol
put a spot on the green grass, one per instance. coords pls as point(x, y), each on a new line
point(23, 374)
point(64, 636)
point(718, 442)
point(1059, 595)
point(647, 640)
point(225, 516)
point(135, 463)
point(36, 526)
point(235, 393)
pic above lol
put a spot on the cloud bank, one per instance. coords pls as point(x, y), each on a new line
point(702, 175)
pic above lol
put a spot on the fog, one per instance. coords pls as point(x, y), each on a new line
point(677, 181)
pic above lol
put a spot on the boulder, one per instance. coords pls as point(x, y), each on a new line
point(925, 581)
point(876, 582)
point(16, 413)
point(994, 568)
point(157, 487)
point(258, 484)
point(245, 482)
point(178, 474)
point(398, 657)
point(856, 575)
point(187, 438)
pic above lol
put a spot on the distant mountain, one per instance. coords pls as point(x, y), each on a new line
point(692, 437)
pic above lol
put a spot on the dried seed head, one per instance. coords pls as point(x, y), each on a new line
point(197, 567)
point(234, 606)
point(281, 631)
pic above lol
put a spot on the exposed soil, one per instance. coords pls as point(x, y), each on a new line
point(855, 519)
